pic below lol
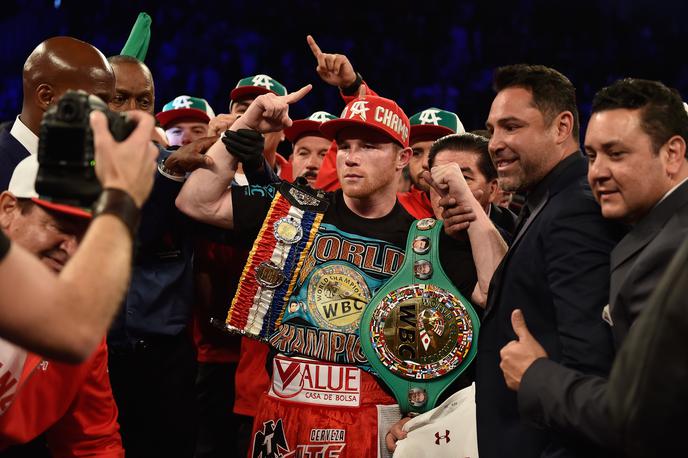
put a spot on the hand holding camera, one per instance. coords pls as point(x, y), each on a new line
point(83, 144)
point(130, 164)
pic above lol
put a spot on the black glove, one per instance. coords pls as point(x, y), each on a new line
point(247, 146)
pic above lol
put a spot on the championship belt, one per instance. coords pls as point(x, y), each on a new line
point(275, 260)
point(418, 332)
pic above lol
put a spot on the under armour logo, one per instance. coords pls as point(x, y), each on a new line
point(429, 116)
point(183, 101)
point(319, 116)
point(262, 80)
point(44, 365)
point(359, 109)
point(445, 437)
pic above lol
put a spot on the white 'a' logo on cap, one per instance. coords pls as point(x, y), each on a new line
point(429, 116)
point(183, 101)
point(262, 80)
point(359, 109)
point(319, 116)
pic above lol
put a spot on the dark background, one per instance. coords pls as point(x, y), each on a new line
point(421, 53)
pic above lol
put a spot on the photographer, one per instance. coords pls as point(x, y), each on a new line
point(66, 316)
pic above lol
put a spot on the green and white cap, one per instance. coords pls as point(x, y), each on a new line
point(433, 122)
point(255, 86)
point(185, 106)
point(300, 127)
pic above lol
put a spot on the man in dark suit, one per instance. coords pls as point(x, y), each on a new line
point(56, 65)
point(636, 146)
point(556, 270)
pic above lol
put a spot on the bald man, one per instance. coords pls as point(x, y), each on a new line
point(56, 65)
point(134, 88)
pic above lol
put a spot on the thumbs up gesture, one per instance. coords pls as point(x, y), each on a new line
point(518, 355)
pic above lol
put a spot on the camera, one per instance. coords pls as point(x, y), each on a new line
point(66, 156)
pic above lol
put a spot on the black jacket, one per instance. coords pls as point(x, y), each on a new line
point(558, 397)
point(557, 272)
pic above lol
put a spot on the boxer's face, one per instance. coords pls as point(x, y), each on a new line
point(368, 162)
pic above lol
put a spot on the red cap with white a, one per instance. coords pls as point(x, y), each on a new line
point(378, 113)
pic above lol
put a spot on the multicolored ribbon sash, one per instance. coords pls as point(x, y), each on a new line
point(275, 260)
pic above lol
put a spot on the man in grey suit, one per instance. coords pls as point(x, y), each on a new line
point(638, 171)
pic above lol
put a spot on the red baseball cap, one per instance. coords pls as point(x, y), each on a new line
point(378, 113)
point(253, 86)
point(185, 106)
point(312, 124)
point(23, 185)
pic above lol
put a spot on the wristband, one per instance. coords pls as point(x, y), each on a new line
point(169, 173)
point(120, 204)
point(353, 88)
point(247, 146)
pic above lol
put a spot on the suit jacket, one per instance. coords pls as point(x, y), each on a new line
point(557, 273)
point(11, 153)
point(647, 387)
point(503, 218)
point(555, 396)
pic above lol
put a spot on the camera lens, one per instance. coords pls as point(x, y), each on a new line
point(68, 110)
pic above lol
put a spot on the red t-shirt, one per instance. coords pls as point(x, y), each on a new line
point(71, 403)
point(417, 203)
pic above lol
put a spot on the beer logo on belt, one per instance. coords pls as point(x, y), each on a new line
point(337, 296)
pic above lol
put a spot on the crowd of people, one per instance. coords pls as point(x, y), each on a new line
point(216, 266)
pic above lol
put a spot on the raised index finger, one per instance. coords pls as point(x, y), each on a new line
point(298, 95)
point(315, 49)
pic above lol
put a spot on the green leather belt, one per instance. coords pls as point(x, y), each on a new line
point(418, 332)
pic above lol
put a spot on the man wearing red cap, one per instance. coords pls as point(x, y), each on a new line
point(185, 119)
point(71, 404)
point(231, 371)
point(246, 90)
point(309, 145)
point(347, 244)
point(425, 127)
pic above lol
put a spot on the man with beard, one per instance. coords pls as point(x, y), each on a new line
point(309, 145)
point(636, 148)
point(556, 270)
point(364, 214)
